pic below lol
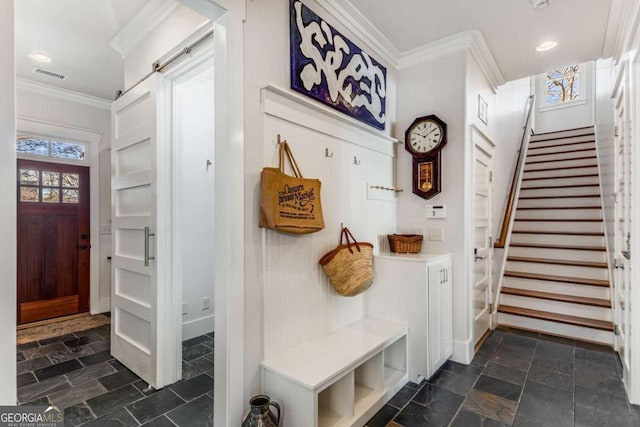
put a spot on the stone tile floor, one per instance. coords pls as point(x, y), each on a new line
point(77, 373)
point(519, 379)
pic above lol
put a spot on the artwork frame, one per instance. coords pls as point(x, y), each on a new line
point(483, 110)
point(328, 67)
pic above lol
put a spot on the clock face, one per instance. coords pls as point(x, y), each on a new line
point(426, 135)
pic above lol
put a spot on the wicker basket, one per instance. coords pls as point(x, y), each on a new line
point(405, 243)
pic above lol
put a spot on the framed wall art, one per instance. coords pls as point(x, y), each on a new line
point(329, 68)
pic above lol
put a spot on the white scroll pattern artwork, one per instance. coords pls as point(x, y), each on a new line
point(328, 67)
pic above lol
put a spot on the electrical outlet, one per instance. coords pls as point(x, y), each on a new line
point(206, 303)
point(436, 234)
point(185, 308)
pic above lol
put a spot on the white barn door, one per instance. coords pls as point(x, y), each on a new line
point(143, 329)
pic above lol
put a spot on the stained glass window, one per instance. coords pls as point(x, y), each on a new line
point(562, 85)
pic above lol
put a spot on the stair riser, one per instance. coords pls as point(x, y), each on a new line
point(560, 192)
point(556, 158)
point(559, 181)
point(539, 149)
point(559, 254)
point(540, 226)
point(559, 214)
point(553, 202)
point(580, 310)
point(552, 239)
point(559, 173)
point(544, 140)
point(560, 165)
point(554, 328)
point(558, 287)
point(558, 270)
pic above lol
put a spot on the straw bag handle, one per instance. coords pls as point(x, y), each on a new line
point(346, 233)
point(284, 148)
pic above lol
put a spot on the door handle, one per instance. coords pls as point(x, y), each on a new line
point(617, 263)
point(83, 246)
point(147, 258)
point(477, 257)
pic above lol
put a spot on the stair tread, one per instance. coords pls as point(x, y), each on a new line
point(558, 262)
point(548, 187)
point(558, 220)
point(583, 128)
point(557, 317)
point(535, 162)
point(566, 144)
point(569, 247)
point(555, 278)
point(597, 302)
point(568, 233)
point(586, 175)
point(579, 150)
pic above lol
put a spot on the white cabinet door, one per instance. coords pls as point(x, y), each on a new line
point(440, 321)
point(141, 330)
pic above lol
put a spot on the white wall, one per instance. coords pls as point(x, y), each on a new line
point(194, 107)
point(38, 107)
point(438, 87)
point(577, 114)
point(267, 61)
point(8, 206)
point(605, 145)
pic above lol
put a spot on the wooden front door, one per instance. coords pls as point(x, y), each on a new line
point(53, 240)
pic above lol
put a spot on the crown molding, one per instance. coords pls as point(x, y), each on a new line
point(625, 18)
point(64, 94)
point(152, 14)
point(350, 17)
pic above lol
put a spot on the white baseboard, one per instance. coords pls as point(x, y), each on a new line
point(462, 351)
point(197, 327)
point(103, 305)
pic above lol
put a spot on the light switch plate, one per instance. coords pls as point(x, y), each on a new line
point(435, 234)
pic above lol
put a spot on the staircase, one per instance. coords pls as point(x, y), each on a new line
point(556, 278)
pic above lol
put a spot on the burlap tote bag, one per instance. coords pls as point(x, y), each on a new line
point(350, 265)
point(289, 203)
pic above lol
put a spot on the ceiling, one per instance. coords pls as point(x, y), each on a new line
point(76, 35)
point(512, 28)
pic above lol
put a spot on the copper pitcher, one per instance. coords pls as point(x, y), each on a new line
point(260, 415)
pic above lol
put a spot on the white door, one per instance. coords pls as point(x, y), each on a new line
point(143, 329)
point(622, 271)
point(482, 241)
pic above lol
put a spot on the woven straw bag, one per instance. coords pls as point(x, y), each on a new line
point(349, 266)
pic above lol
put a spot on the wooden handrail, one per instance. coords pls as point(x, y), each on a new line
point(517, 177)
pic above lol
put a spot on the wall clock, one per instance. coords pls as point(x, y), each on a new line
point(424, 140)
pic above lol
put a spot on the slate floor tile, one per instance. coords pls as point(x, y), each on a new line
point(453, 382)
point(498, 387)
point(117, 365)
point(103, 404)
point(78, 414)
point(481, 359)
point(522, 421)
point(195, 340)
point(611, 384)
point(471, 419)
point(99, 346)
point(60, 338)
point(42, 388)
point(162, 421)
point(490, 405)
point(37, 352)
point(20, 357)
point(383, 416)
point(27, 346)
point(143, 387)
point(519, 341)
point(56, 370)
point(118, 379)
point(415, 414)
point(603, 417)
point(198, 366)
point(550, 350)
point(190, 389)
point(77, 394)
point(505, 373)
point(73, 342)
point(553, 395)
point(194, 351)
point(543, 412)
point(72, 353)
point(600, 399)
point(92, 359)
point(512, 361)
point(118, 418)
point(562, 366)
point(551, 378)
point(198, 413)
point(25, 379)
point(40, 401)
point(101, 331)
point(431, 395)
point(90, 373)
point(32, 364)
point(154, 405)
point(466, 370)
point(403, 396)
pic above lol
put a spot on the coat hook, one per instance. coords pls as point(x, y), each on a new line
point(326, 153)
point(208, 164)
point(356, 161)
point(280, 140)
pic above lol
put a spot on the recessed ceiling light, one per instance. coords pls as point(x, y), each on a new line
point(548, 45)
point(39, 56)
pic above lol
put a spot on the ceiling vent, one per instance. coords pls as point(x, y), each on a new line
point(47, 73)
point(540, 4)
